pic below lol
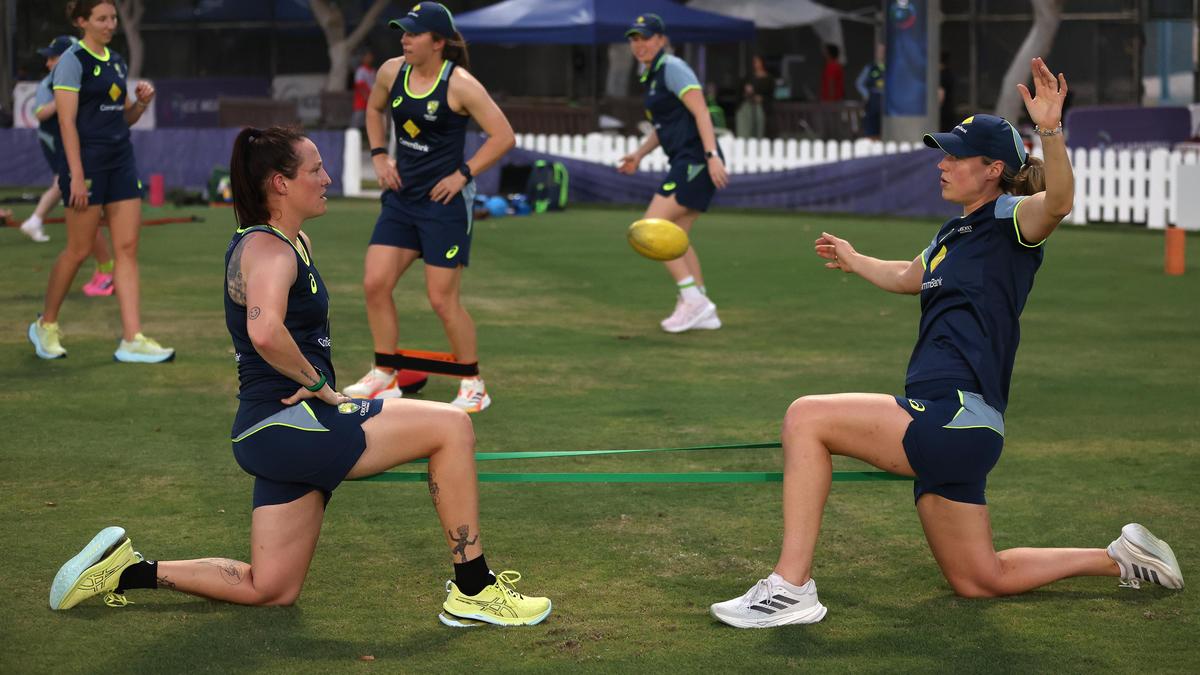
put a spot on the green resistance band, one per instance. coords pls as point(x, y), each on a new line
point(594, 477)
point(589, 477)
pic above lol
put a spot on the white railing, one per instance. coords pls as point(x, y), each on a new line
point(742, 155)
point(1128, 186)
point(1114, 186)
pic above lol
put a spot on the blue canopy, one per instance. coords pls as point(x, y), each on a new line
point(586, 22)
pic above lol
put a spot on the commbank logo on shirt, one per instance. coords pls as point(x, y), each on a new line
point(932, 283)
point(411, 128)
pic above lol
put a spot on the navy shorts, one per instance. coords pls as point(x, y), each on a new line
point(308, 446)
point(954, 440)
point(690, 183)
point(105, 187)
point(441, 232)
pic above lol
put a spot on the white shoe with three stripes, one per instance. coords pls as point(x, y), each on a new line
point(771, 602)
point(1144, 557)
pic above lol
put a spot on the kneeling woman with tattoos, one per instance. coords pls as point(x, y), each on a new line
point(294, 432)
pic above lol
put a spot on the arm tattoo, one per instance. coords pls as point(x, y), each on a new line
point(253, 313)
point(461, 542)
point(164, 582)
point(230, 572)
point(434, 490)
point(235, 283)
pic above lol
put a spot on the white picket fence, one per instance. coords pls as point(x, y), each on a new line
point(1114, 186)
point(742, 155)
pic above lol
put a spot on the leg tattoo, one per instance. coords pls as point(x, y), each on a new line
point(229, 569)
point(434, 490)
point(460, 542)
point(164, 582)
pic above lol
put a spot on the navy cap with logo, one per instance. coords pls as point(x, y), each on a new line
point(647, 25)
point(982, 135)
point(58, 46)
point(426, 17)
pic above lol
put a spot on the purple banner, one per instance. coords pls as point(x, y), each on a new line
point(185, 157)
point(192, 102)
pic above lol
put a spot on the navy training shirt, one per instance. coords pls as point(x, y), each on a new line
point(429, 135)
point(667, 79)
point(260, 386)
point(100, 120)
point(978, 275)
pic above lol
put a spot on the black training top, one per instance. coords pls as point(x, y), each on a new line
point(429, 135)
point(260, 386)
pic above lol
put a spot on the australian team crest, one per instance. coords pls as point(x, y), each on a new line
point(348, 408)
point(431, 108)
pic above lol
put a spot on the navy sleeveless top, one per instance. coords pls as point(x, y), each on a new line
point(100, 81)
point(429, 135)
point(667, 79)
point(260, 386)
point(978, 274)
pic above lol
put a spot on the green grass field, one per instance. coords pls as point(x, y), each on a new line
point(1102, 430)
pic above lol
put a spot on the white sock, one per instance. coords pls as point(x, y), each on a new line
point(689, 290)
point(34, 221)
point(780, 581)
point(703, 290)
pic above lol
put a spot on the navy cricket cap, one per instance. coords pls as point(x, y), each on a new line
point(426, 17)
point(982, 135)
point(58, 46)
point(647, 25)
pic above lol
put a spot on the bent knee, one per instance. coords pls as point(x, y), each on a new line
point(803, 412)
point(974, 587)
point(285, 597)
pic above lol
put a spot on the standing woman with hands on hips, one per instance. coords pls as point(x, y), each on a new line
point(428, 190)
point(94, 116)
point(682, 126)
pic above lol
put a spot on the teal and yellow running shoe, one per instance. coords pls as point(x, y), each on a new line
point(499, 604)
point(95, 570)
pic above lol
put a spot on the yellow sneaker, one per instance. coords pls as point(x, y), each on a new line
point(46, 340)
point(142, 349)
point(498, 604)
point(95, 570)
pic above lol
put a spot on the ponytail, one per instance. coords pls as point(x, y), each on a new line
point(257, 155)
point(455, 49)
point(1030, 180)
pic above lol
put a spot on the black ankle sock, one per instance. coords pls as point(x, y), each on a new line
point(473, 576)
point(139, 575)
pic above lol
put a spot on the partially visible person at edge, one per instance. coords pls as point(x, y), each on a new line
point(294, 432)
point(364, 80)
point(50, 138)
point(870, 87)
point(947, 430)
point(833, 76)
point(758, 94)
point(683, 127)
point(429, 191)
point(94, 116)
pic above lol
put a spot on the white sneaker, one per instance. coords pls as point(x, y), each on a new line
point(472, 395)
point(711, 323)
point(690, 314)
point(33, 229)
point(1144, 557)
point(674, 317)
point(142, 349)
point(375, 384)
point(771, 602)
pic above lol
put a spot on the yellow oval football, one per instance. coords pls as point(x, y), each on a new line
point(658, 239)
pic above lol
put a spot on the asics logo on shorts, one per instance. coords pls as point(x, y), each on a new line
point(919, 407)
point(669, 186)
point(452, 252)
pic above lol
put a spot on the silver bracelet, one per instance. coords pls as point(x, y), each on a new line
point(1053, 132)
